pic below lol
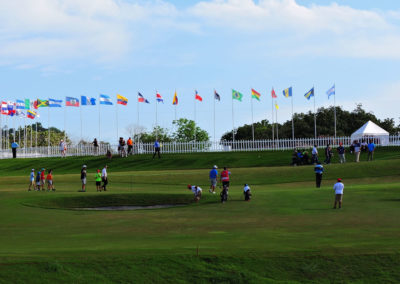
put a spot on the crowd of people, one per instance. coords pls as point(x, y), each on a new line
point(99, 177)
point(301, 157)
point(39, 181)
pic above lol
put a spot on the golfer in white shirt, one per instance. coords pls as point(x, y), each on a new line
point(338, 188)
point(196, 191)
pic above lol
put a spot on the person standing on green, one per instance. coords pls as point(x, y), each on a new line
point(98, 180)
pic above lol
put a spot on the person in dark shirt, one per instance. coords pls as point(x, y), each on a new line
point(83, 177)
point(328, 154)
point(319, 169)
point(341, 152)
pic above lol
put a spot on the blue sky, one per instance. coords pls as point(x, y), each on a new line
point(53, 49)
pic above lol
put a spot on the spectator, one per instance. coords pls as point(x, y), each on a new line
point(247, 192)
point(314, 155)
point(104, 177)
point(328, 154)
point(42, 178)
point(38, 175)
point(294, 158)
point(109, 154)
point(32, 180)
point(83, 178)
point(364, 146)
point(130, 146)
point(338, 188)
point(357, 149)
point(213, 179)
point(352, 147)
point(306, 158)
point(319, 169)
point(371, 150)
point(341, 152)
point(299, 157)
point(14, 146)
point(156, 149)
point(63, 148)
point(49, 179)
point(96, 146)
point(98, 180)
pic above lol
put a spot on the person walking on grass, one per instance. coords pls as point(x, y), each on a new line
point(83, 178)
point(341, 152)
point(104, 178)
point(357, 150)
point(42, 178)
point(49, 180)
point(247, 192)
point(314, 155)
point(338, 188)
point(32, 180)
point(213, 179)
point(319, 169)
point(38, 181)
point(129, 142)
point(371, 150)
point(98, 180)
point(196, 191)
point(225, 177)
point(157, 149)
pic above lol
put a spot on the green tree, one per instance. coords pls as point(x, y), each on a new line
point(188, 131)
point(162, 134)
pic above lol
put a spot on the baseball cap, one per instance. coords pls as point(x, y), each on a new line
point(84, 166)
point(33, 170)
point(339, 179)
point(215, 167)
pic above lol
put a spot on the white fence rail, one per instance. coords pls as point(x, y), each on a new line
point(192, 147)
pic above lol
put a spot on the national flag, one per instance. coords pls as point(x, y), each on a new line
point(86, 101)
point(287, 92)
point(256, 95)
point(273, 95)
point(42, 103)
point(331, 91)
point(175, 99)
point(121, 100)
point(20, 114)
point(31, 114)
point(11, 108)
point(237, 95)
point(27, 104)
point(20, 104)
point(142, 99)
point(4, 108)
point(217, 96)
point(34, 104)
point(197, 97)
point(159, 98)
point(55, 103)
point(309, 94)
point(72, 102)
point(105, 100)
point(276, 105)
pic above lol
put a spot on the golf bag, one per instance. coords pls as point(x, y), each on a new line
point(224, 194)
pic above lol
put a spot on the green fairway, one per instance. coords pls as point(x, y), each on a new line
point(288, 232)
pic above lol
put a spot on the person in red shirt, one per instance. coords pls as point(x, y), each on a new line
point(225, 177)
point(49, 179)
point(42, 178)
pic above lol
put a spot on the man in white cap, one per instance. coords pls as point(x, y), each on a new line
point(83, 178)
point(213, 179)
point(338, 188)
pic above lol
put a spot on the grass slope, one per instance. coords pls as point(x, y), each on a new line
point(287, 233)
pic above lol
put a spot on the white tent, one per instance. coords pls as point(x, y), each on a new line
point(371, 130)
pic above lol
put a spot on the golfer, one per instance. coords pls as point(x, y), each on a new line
point(32, 180)
point(213, 179)
point(319, 169)
point(104, 178)
point(338, 188)
point(196, 191)
point(83, 178)
point(225, 177)
point(98, 180)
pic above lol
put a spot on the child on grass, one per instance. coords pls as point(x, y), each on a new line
point(49, 180)
point(38, 181)
point(98, 180)
point(32, 180)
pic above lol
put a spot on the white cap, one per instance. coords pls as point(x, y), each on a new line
point(84, 166)
point(33, 170)
point(215, 167)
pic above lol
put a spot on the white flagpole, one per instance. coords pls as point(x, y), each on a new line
point(116, 115)
point(99, 121)
point(214, 116)
point(292, 119)
point(277, 124)
point(156, 115)
point(80, 114)
point(334, 107)
point(13, 120)
point(138, 118)
point(272, 116)
point(233, 125)
point(48, 124)
point(65, 119)
point(252, 121)
point(315, 120)
point(1, 129)
point(195, 118)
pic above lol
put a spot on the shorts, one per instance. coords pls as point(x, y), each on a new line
point(50, 182)
point(98, 183)
point(38, 183)
point(43, 181)
point(32, 182)
point(213, 181)
point(83, 181)
point(338, 197)
point(225, 183)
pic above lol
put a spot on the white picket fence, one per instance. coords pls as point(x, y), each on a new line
point(192, 147)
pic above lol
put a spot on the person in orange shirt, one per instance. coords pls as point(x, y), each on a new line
point(130, 146)
point(49, 179)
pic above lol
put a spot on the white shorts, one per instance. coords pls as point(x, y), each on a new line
point(84, 181)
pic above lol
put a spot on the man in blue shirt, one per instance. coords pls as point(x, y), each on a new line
point(156, 149)
point(341, 151)
point(371, 149)
point(14, 147)
point(213, 179)
point(319, 169)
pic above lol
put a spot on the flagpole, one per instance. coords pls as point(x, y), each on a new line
point(334, 107)
point(214, 117)
point(65, 119)
point(252, 120)
point(233, 126)
point(80, 113)
point(277, 124)
point(195, 119)
point(272, 118)
point(137, 103)
point(292, 121)
point(315, 120)
point(14, 127)
point(156, 116)
point(99, 121)
point(36, 137)
point(116, 115)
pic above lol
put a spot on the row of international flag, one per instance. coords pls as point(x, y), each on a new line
point(19, 106)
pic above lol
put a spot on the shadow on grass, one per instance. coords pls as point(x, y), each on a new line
point(391, 199)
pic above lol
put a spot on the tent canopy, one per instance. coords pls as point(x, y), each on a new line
point(371, 130)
